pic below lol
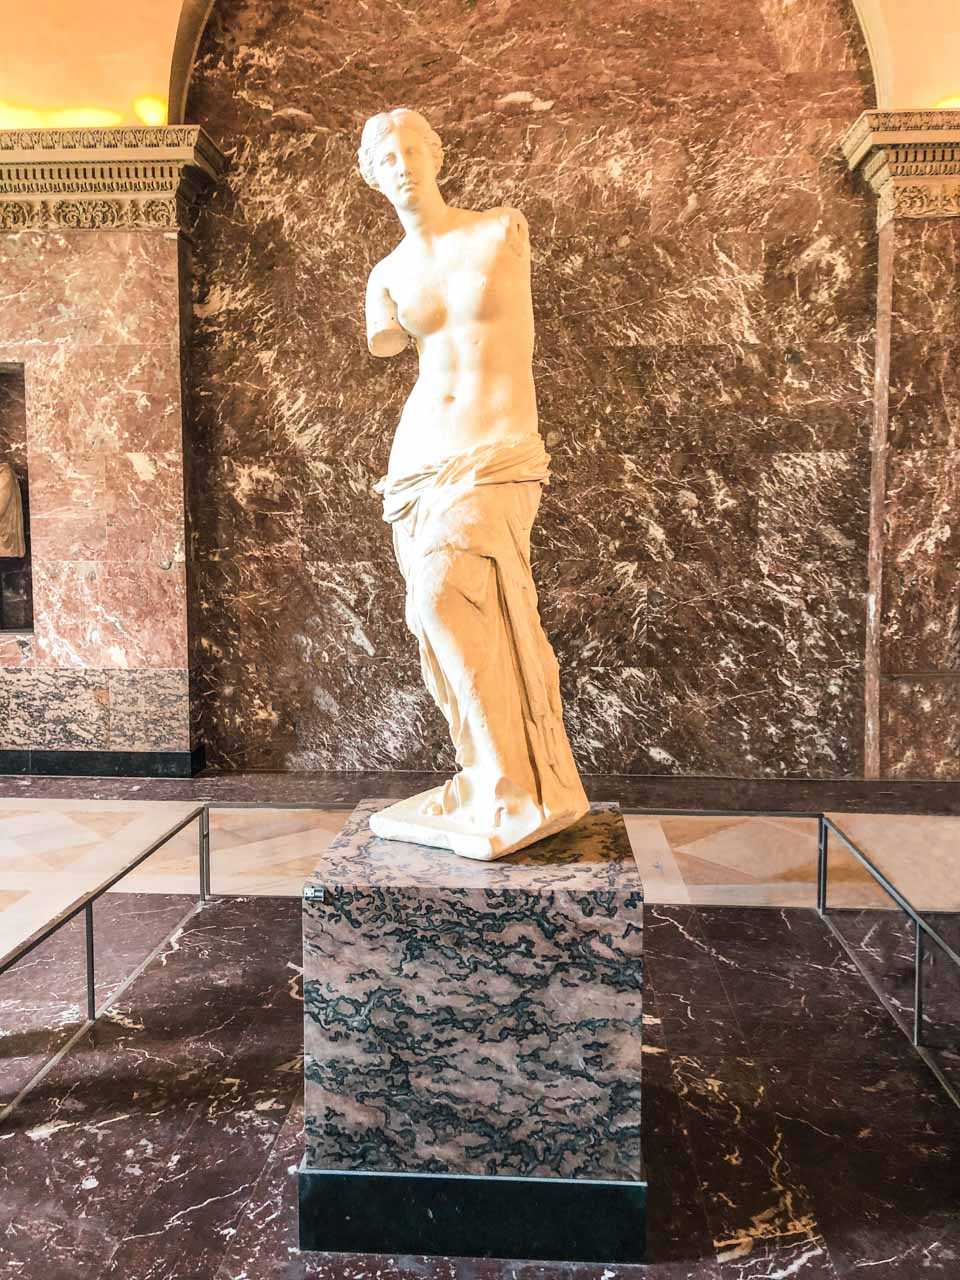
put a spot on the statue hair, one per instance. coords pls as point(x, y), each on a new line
point(377, 128)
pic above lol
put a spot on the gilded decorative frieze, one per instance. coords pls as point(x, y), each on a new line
point(104, 179)
point(911, 159)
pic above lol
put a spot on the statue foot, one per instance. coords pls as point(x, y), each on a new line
point(427, 819)
point(436, 806)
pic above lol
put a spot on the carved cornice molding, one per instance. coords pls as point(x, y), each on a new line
point(911, 160)
point(113, 178)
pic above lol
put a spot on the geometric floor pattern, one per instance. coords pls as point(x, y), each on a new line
point(51, 850)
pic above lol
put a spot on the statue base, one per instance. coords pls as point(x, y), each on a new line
point(472, 1048)
point(406, 821)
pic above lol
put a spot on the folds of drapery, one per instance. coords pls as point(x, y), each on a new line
point(483, 502)
point(500, 462)
point(11, 513)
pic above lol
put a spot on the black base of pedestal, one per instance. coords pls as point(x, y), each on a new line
point(451, 1215)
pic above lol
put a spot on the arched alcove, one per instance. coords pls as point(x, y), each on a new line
point(193, 19)
point(704, 281)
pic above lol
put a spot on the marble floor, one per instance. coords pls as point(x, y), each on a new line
point(789, 1129)
point(51, 850)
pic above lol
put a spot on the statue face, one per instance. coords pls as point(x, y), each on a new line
point(404, 167)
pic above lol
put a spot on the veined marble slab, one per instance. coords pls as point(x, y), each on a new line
point(468, 1020)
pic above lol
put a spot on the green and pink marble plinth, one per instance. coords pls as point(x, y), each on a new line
point(472, 1048)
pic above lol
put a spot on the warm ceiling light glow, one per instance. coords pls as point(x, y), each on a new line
point(151, 110)
point(12, 117)
point(950, 102)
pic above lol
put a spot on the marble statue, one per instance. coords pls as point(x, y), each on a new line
point(461, 492)
point(11, 513)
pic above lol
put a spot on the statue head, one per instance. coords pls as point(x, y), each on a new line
point(400, 155)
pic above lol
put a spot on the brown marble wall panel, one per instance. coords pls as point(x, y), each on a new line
point(817, 34)
point(704, 294)
point(920, 727)
point(921, 561)
point(193, 495)
point(812, 508)
point(698, 688)
point(920, 617)
point(924, 363)
point(699, 721)
point(93, 317)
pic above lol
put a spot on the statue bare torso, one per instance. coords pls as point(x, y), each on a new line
point(466, 302)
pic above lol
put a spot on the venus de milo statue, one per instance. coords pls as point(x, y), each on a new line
point(461, 492)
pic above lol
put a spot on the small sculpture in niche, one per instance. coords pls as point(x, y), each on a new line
point(11, 513)
point(461, 492)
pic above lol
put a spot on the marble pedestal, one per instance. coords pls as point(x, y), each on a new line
point(472, 1048)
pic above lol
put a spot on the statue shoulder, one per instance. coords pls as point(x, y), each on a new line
point(381, 271)
point(513, 225)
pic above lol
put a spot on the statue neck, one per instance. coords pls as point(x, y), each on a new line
point(431, 218)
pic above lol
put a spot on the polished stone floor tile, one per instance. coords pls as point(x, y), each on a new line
point(693, 1024)
point(793, 946)
point(786, 977)
point(165, 1146)
point(43, 997)
point(192, 1072)
point(757, 1206)
point(883, 945)
point(917, 852)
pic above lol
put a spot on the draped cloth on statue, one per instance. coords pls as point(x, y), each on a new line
point(11, 513)
point(461, 533)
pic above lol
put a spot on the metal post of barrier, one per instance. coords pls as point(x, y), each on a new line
point(205, 853)
point(201, 860)
point(822, 837)
point(918, 984)
point(91, 981)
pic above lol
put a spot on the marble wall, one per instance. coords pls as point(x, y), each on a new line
point(920, 616)
point(93, 318)
point(704, 288)
point(16, 583)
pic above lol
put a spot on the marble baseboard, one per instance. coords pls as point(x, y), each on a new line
point(89, 708)
point(340, 789)
point(108, 764)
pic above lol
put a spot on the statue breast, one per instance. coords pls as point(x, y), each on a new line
point(422, 307)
